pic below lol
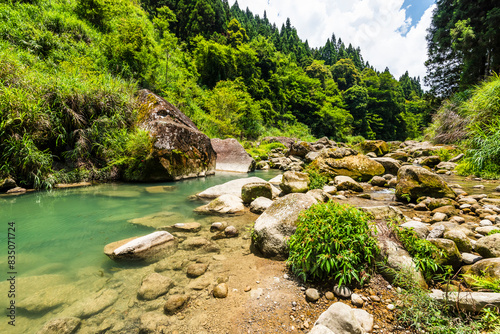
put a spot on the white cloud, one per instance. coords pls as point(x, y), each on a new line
point(376, 26)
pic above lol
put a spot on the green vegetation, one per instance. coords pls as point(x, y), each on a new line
point(333, 241)
point(421, 313)
point(71, 70)
point(473, 119)
point(261, 151)
point(318, 180)
point(484, 282)
point(423, 252)
point(464, 45)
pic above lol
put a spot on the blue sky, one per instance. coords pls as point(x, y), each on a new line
point(415, 9)
point(390, 33)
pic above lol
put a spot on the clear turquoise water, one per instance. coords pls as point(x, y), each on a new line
point(62, 231)
point(71, 226)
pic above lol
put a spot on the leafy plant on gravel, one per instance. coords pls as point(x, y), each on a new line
point(494, 232)
point(333, 241)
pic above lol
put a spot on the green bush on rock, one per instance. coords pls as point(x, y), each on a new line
point(333, 241)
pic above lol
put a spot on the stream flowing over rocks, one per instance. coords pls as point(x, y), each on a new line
point(218, 268)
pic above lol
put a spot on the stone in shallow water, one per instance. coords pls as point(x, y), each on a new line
point(183, 227)
point(48, 298)
point(150, 247)
point(60, 326)
point(158, 220)
point(153, 286)
point(175, 303)
point(93, 304)
point(196, 269)
point(160, 189)
point(223, 205)
point(153, 322)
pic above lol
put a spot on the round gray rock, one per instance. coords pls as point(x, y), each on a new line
point(260, 204)
point(489, 246)
point(312, 295)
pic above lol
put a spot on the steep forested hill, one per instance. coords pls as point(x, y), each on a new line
point(71, 68)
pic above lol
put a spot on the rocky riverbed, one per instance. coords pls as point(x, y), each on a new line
point(214, 278)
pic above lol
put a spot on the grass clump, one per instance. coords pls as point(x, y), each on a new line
point(333, 241)
point(318, 180)
point(419, 312)
point(424, 253)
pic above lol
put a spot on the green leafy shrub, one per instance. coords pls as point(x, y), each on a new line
point(333, 241)
point(262, 151)
point(318, 180)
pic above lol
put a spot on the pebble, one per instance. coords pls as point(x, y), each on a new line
point(221, 290)
point(357, 300)
point(248, 288)
point(285, 276)
point(329, 295)
point(375, 298)
point(391, 307)
point(231, 232)
point(485, 222)
point(312, 295)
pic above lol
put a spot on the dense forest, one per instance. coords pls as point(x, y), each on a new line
point(463, 68)
point(71, 70)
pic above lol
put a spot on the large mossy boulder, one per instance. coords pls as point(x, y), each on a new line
point(450, 254)
point(379, 147)
point(251, 191)
point(277, 223)
point(341, 161)
point(179, 149)
point(415, 182)
point(232, 157)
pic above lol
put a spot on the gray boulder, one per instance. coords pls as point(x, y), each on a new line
point(420, 228)
point(232, 157)
point(340, 318)
point(489, 246)
point(451, 254)
point(469, 301)
point(278, 223)
point(148, 248)
point(391, 166)
point(460, 239)
point(260, 204)
point(251, 191)
point(223, 205)
point(295, 182)
point(232, 187)
point(347, 183)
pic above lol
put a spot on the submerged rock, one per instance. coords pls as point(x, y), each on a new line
point(153, 286)
point(232, 157)
point(61, 326)
point(221, 291)
point(150, 247)
point(175, 303)
point(223, 205)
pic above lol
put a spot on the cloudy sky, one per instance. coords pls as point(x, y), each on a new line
point(390, 33)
